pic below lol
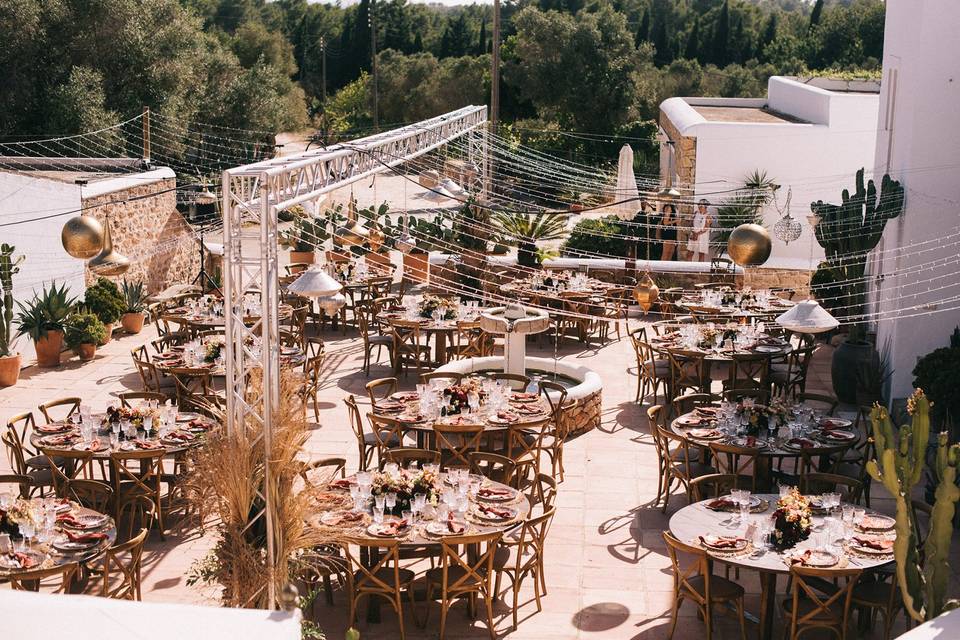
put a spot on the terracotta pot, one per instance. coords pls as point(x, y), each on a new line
point(132, 322)
point(416, 266)
point(48, 349)
point(109, 328)
point(10, 370)
point(86, 351)
point(301, 256)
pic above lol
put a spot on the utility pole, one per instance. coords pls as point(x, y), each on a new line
point(146, 134)
point(373, 63)
point(323, 69)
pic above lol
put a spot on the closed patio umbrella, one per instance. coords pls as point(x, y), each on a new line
point(626, 185)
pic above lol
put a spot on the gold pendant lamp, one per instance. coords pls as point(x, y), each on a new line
point(108, 262)
point(749, 245)
point(352, 233)
point(82, 237)
point(646, 292)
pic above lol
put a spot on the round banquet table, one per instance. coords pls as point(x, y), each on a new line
point(443, 331)
point(773, 348)
point(205, 320)
point(695, 427)
point(337, 503)
point(494, 426)
point(774, 307)
point(695, 520)
point(171, 363)
point(51, 557)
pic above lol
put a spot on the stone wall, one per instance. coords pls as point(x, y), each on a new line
point(685, 166)
point(796, 279)
point(151, 232)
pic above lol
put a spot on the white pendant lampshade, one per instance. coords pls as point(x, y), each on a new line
point(807, 317)
point(332, 304)
point(315, 283)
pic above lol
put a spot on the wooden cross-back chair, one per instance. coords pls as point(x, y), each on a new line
point(471, 341)
point(382, 578)
point(810, 608)
point(143, 480)
point(694, 580)
point(405, 456)
point(320, 472)
point(681, 464)
point(456, 442)
point(457, 576)
point(790, 378)
point(740, 462)
point(748, 371)
point(712, 485)
point(92, 494)
point(521, 555)
point(380, 389)
point(525, 442)
point(149, 376)
point(372, 340)
point(447, 377)
point(123, 561)
point(688, 370)
point(366, 442)
point(492, 466)
point(409, 348)
point(652, 372)
point(30, 580)
point(70, 404)
point(388, 432)
point(67, 465)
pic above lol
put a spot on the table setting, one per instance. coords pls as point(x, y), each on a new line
point(44, 533)
point(735, 302)
point(722, 341)
point(418, 505)
point(207, 355)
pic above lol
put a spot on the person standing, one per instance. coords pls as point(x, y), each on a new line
point(667, 231)
point(698, 242)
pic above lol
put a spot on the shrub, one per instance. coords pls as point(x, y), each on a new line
point(602, 236)
point(823, 285)
point(938, 374)
point(105, 301)
point(84, 328)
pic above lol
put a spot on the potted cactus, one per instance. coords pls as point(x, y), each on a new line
point(134, 298)
point(848, 233)
point(899, 467)
point(105, 300)
point(10, 361)
point(42, 319)
point(84, 332)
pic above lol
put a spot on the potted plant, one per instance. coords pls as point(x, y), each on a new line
point(42, 319)
point(524, 230)
point(848, 233)
point(105, 301)
point(134, 298)
point(9, 360)
point(307, 234)
point(84, 332)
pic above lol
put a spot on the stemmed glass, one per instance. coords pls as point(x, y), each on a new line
point(378, 504)
point(27, 530)
point(419, 502)
point(391, 501)
point(473, 399)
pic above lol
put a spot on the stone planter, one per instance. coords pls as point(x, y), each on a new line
point(86, 351)
point(416, 265)
point(10, 370)
point(109, 332)
point(132, 322)
point(48, 349)
point(305, 257)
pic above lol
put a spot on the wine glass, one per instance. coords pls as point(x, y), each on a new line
point(27, 530)
point(391, 501)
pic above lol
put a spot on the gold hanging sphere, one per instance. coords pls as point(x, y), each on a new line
point(749, 245)
point(108, 262)
point(82, 237)
point(646, 292)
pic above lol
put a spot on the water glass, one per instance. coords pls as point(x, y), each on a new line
point(785, 490)
point(391, 501)
point(391, 468)
point(407, 516)
point(379, 501)
point(378, 513)
point(5, 546)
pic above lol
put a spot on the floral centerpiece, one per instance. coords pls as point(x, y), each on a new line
point(406, 483)
point(456, 398)
point(212, 348)
point(791, 520)
point(430, 303)
point(709, 333)
point(16, 513)
point(135, 415)
point(758, 416)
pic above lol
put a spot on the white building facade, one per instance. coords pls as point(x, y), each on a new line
point(916, 303)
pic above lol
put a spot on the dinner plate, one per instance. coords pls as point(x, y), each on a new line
point(499, 420)
point(187, 416)
point(711, 541)
point(54, 428)
point(64, 543)
point(92, 447)
point(478, 512)
point(31, 558)
point(338, 518)
point(820, 559)
point(405, 396)
point(501, 495)
point(59, 440)
point(705, 434)
point(876, 522)
point(859, 548)
point(441, 529)
point(839, 435)
point(86, 522)
point(758, 443)
point(524, 397)
point(798, 447)
point(835, 423)
point(384, 530)
point(763, 348)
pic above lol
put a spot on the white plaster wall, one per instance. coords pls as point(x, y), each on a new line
point(27, 198)
point(919, 143)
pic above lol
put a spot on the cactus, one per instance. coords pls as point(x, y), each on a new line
point(8, 268)
point(850, 231)
point(899, 468)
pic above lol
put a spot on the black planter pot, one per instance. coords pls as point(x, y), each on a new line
point(848, 360)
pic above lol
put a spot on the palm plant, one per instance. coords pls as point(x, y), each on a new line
point(746, 205)
point(524, 230)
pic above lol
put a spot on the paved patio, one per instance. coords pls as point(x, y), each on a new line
point(607, 570)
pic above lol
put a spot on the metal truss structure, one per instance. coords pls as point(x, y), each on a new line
point(258, 192)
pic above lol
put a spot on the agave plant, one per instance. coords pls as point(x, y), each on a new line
point(134, 296)
point(46, 312)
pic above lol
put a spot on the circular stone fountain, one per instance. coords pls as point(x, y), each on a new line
point(515, 323)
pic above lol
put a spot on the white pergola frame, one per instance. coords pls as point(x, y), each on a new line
point(259, 191)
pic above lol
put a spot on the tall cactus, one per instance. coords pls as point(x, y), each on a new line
point(850, 231)
point(8, 268)
point(899, 469)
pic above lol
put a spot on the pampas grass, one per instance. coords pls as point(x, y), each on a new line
point(230, 472)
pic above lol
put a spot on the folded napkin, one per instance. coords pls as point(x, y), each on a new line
point(707, 412)
point(341, 484)
point(527, 411)
point(801, 558)
point(494, 512)
point(837, 435)
point(85, 537)
point(750, 442)
point(148, 445)
point(22, 560)
point(703, 433)
point(181, 436)
point(394, 527)
point(803, 443)
point(69, 520)
point(524, 396)
point(493, 492)
point(722, 542)
point(878, 544)
point(351, 516)
point(721, 503)
point(388, 405)
point(827, 423)
point(455, 527)
point(507, 416)
point(199, 424)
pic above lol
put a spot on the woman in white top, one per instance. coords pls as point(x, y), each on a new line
point(698, 242)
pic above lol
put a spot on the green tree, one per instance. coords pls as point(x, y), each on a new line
point(643, 30)
point(692, 50)
point(721, 36)
point(816, 13)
